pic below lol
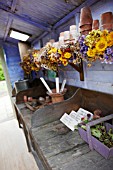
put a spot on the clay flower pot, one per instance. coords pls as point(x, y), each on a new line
point(85, 16)
point(107, 21)
point(106, 18)
point(57, 97)
point(95, 24)
point(85, 27)
point(108, 26)
point(85, 32)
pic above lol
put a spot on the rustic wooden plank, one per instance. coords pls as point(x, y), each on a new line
point(55, 111)
point(66, 151)
point(88, 99)
point(58, 144)
point(52, 142)
point(72, 13)
point(94, 99)
point(89, 161)
point(59, 160)
point(31, 92)
point(98, 76)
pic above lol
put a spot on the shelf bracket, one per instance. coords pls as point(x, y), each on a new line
point(79, 68)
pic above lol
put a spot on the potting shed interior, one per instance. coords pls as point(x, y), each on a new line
point(56, 147)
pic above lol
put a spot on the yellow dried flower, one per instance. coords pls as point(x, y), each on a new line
point(60, 52)
point(101, 45)
point(67, 55)
point(110, 39)
point(53, 50)
point(110, 43)
point(91, 52)
point(65, 62)
point(104, 33)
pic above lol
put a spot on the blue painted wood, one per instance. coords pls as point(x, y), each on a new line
point(13, 60)
point(77, 20)
point(13, 5)
point(46, 10)
point(71, 14)
point(40, 25)
point(10, 20)
point(40, 37)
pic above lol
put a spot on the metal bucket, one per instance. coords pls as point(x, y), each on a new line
point(21, 85)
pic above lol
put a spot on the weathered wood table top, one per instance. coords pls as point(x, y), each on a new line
point(64, 149)
point(58, 147)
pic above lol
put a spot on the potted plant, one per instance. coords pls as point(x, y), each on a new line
point(99, 136)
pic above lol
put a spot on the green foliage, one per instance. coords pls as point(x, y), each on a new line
point(100, 132)
point(1, 73)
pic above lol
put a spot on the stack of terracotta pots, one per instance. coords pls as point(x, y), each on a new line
point(95, 25)
point(85, 21)
point(107, 21)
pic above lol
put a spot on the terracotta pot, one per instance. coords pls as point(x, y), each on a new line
point(108, 26)
point(57, 97)
point(106, 18)
point(85, 32)
point(85, 16)
point(85, 27)
point(25, 98)
point(95, 24)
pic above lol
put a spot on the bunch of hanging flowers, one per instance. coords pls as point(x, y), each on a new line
point(97, 45)
point(70, 53)
point(28, 63)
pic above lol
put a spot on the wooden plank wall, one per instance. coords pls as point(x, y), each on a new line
point(99, 76)
point(12, 60)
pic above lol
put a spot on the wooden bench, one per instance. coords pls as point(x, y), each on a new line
point(24, 115)
point(60, 148)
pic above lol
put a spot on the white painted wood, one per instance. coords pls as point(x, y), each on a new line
point(13, 150)
point(23, 48)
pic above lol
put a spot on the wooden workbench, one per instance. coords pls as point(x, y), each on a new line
point(57, 146)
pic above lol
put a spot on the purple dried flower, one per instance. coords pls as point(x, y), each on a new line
point(106, 57)
point(108, 51)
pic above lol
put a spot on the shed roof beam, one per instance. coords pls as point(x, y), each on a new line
point(72, 14)
point(10, 20)
point(43, 26)
point(39, 37)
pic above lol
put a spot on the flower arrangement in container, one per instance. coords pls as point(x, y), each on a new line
point(99, 135)
point(97, 45)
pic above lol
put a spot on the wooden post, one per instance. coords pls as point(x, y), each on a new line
point(6, 74)
point(77, 20)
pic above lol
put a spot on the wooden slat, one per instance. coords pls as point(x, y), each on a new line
point(10, 20)
point(71, 14)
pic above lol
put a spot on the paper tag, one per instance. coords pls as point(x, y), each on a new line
point(75, 116)
point(83, 113)
point(68, 121)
